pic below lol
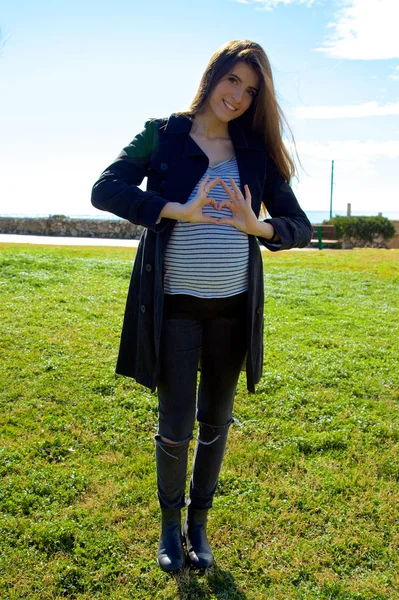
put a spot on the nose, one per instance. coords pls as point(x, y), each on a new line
point(238, 95)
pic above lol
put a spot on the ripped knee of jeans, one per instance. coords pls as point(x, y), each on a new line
point(209, 434)
point(174, 450)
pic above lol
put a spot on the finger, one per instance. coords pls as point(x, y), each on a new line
point(204, 182)
point(236, 188)
point(217, 203)
point(207, 186)
point(248, 196)
point(228, 191)
point(213, 183)
point(209, 200)
point(225, 204)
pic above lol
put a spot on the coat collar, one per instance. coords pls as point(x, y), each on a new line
point(181, 124)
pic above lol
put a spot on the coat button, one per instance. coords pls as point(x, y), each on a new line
point(143, 308)
point(148, 268)
point(164, 167)
point(259, 310)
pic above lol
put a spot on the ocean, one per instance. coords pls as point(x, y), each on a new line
point(314, 216)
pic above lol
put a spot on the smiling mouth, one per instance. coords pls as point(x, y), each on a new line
point(229, 106)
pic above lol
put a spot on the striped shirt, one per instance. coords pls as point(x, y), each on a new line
point(204, 259)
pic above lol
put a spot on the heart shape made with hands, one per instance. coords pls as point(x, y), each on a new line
point(236, 198)
point(242, 216)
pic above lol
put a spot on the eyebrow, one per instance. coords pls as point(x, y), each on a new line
point(251, 87)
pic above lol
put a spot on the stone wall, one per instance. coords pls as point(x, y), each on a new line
point(66, 227)
point(94, 228)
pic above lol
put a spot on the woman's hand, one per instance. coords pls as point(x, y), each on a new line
point(191, 212)
point(244, 218)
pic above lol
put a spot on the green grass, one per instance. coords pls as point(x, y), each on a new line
point(307, 506)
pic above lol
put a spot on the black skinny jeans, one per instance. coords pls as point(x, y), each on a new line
point(212, 331)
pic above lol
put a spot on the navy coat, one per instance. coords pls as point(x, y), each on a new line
point(166, 154)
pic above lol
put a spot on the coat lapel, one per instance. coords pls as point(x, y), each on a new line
point(251, 160)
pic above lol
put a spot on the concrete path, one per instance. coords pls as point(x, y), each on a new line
point(47, 240)
point(8, 238)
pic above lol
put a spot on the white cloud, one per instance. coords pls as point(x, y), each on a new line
point(364, 30)
point(354, 153)
point(364, 174)
point(367, 109)
point(361, 30)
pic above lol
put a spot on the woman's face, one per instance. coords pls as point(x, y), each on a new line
point(234, 93)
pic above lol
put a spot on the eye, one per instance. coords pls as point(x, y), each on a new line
point(252, 93)
point(232, 79)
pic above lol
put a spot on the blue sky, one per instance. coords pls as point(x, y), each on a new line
point(79, 78)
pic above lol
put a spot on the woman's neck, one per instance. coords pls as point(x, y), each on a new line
point(209, 126)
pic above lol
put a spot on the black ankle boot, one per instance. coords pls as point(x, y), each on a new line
point(171, 556)
point(194, 532)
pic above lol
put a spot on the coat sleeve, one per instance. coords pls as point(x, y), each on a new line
point(287, 217)
point(117, 190)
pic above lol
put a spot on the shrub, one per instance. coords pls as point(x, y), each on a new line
point(363, 231)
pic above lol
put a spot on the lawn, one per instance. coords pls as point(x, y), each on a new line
point(307, 505)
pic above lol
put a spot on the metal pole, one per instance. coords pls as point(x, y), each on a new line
point(332, 184)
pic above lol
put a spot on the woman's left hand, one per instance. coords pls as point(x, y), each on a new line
point(244, 218)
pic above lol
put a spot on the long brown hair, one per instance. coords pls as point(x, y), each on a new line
point(264, 118)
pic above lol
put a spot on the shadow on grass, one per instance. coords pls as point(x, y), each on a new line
point(203, 585)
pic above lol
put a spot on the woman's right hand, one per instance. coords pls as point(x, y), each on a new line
point(191, 212)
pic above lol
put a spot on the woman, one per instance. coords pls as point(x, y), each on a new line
point(196, 295)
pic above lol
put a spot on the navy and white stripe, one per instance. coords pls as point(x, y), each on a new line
point(204, 259)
